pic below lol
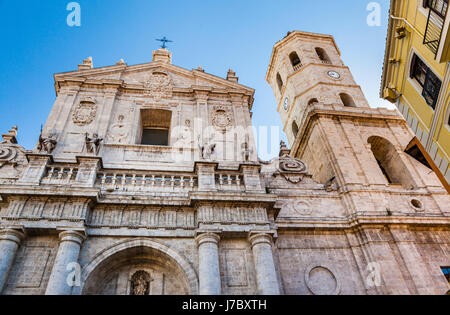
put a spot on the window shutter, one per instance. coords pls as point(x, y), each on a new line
point(431, 89)
point(413, 66)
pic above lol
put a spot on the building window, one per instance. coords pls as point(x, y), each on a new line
point(347, 100)
point(155, 137)
point(438, 6)
point(155, 127)
point(295, 129)
point(313, 101)
point(295, 61)
point(323, 56)
point(430, 83)
point(390, 162)
point(279, 82)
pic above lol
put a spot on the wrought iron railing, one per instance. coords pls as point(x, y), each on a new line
point(435, 23)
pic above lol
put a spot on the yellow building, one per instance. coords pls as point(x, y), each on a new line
point(416, 76)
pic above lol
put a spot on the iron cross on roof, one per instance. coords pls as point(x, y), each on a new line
point(164, 40)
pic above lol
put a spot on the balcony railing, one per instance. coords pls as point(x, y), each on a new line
point(435, 23)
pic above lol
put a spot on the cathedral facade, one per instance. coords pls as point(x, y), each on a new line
point(146, 181)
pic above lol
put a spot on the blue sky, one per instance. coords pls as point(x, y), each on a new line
point(216, 35)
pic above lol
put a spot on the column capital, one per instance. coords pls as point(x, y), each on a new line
point(207, 237)
point(16, 235)
point(76, 236)
point(260, 238)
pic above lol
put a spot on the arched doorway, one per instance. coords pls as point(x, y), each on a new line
point(139, 267)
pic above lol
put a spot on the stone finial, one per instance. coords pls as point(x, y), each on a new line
point(87, 64)
point(162, 55)
point(231, 76)
point(120, 62)
point(10, 137)
point(284, 149)
point(200, 69)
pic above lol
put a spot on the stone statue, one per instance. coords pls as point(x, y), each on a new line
point(140, 283)
point(48, 144)
point(207, 150)
point(246, 151)
point(93, 144)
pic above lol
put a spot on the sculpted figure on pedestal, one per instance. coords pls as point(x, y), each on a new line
point(93, 144)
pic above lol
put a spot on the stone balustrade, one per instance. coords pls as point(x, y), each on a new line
point(112, 181)
point(59, 175)
point(229, 182)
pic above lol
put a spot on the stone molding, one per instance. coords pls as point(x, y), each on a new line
point(260, 238)
point(13, 235)
point(208, 237)
point(179, 258)
point(77, 237)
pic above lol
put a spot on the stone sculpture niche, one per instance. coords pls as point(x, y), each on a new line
point(140, 283)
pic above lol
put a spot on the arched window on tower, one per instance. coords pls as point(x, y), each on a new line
point(323, 56)
point(295, 61)
point(313, 101)
point(390, 162)
point(279, 82)
point(295, 129)
point(347, 100)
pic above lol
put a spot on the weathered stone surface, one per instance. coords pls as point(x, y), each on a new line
point(202, 215)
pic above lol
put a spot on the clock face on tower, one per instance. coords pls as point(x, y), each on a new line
point(334, 74)
point(286, 103)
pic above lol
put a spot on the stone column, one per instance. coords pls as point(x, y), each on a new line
point(209, 273)
point(68, 252)
point(10, 240)
point(266, 277)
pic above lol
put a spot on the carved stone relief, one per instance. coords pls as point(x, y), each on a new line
point(298, 208)
point(221, 118)
point(85, 112)
point(118, 132)
point(158, 85)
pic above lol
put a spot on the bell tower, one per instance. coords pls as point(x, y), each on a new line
point(331, 127)
point(306, 69)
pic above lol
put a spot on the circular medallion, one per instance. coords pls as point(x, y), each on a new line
point(334, 74)
point(321, 280)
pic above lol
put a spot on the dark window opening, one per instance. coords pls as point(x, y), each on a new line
point(323, 55)
point(430, 83)
point(347, 100)
point(313, 101)
point(295, 60)
point(155, 137)
point(279, 82)
point(155, 127)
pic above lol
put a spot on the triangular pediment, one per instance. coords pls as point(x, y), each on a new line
point(139, 75)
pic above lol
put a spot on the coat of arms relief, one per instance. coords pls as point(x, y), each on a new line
point(221, 118)
point(158, 85)
point(85, 112)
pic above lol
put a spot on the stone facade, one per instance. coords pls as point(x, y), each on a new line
point(93, 209)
